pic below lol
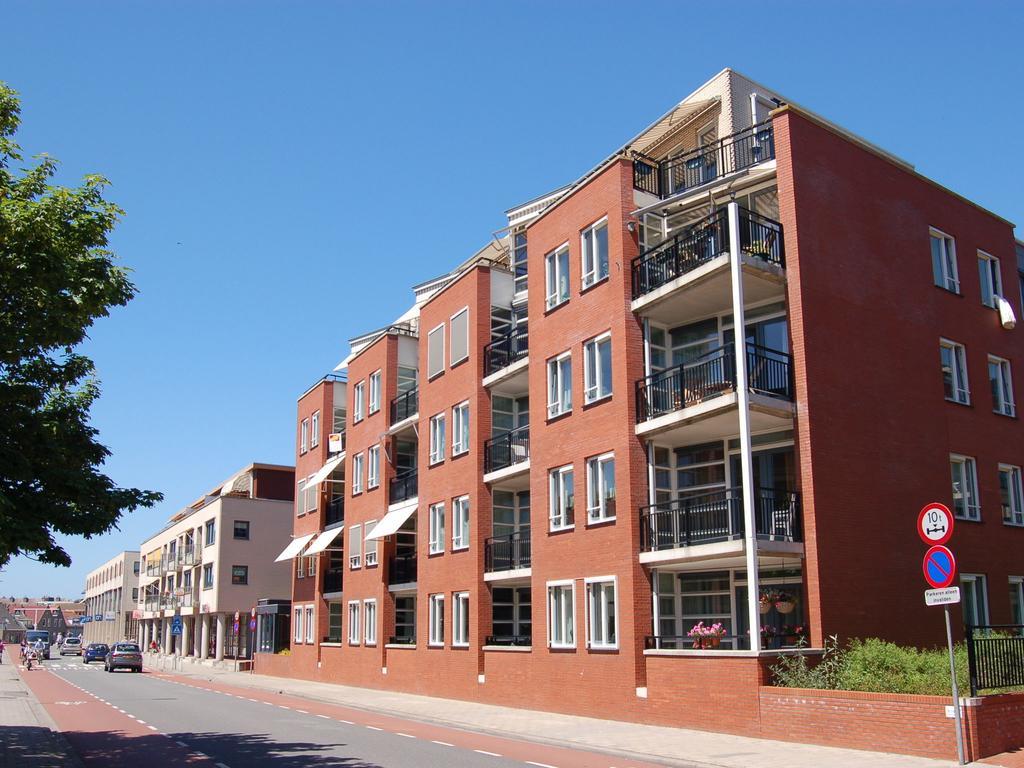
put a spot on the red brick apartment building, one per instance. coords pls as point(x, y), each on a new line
point(555, 464)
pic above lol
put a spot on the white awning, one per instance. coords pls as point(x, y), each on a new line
point(391, 522)
point(294, 548)
point(322, 473)
point(323, 541)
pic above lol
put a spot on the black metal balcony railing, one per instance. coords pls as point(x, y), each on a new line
point(405, 405)
point(705, 240)
point(702, 165)
point(402, 487)
point(402, 640)
point(508, 448)
point(505, 350)
point(333, 579)
point(726, 643)
point(710, 375)
point(506, 553)
point(335, 511)
point(402, 569)
point(513, 640)
point(718, 516)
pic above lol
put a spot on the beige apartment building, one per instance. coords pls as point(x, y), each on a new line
point(204, 571)
point(111, 594)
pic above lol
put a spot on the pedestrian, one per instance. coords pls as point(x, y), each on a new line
point(2, 647)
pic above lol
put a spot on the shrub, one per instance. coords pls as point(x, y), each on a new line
point(874, 665)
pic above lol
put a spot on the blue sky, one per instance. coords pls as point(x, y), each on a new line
point(288, 170)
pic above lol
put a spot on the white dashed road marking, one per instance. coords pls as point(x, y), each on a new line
point(485, 752)
point(442, 743)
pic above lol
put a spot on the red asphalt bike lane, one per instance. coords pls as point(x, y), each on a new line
point(99, 732)
point(531, 753)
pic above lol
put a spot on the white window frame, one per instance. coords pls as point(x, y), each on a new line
point(950, 282)
point(435, 524)
point(961, 389)
point(357, 474)
point(355, 547)
point(311, 495)
point(311, 566)
point(371, 547)
point(452, 351)
point(460, 619)
point(297, 633)
point(460, 523)
point(593, 384)
point(590, 274)
point(437, 438)
point(460, 428)
point(372, 467)
point(553, 274)
point(557, 373)
point(969, 479)
point(597, 620)
point(991, 279)
point(432, 373)
point(558, 515)
point(554, 606)
point(597, 469)
point(304, 436)
point(1017, 586)
point(1013, 514)
point(310, 624)
point(982, 593)
point(358, 394)
point(314, 429)
point(370, 621)
point(435, 620)
point(373, 403)
point(353, 622)
point(1003, 398)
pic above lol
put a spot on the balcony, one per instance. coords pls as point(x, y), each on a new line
point(191, 557)
point(703, 391)
point(335, 511)
point(507, 454)
point(506, 350)
point(505, 554)
point(402, 487)
point(716, 518)
point(405, 406)
point(703, 165)
point(689, 275)
point(333, 580)
point(513, 641)
point(402, 569)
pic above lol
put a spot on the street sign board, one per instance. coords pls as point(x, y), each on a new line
point(176, 625)
point(946, 596)
point(935, 524)
point(939, 567)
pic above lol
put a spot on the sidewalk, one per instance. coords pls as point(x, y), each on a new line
point(672, 746)
point(28, 737)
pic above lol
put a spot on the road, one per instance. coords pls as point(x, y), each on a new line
point(124, 718)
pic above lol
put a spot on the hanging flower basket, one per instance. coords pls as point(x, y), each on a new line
point(785, 606)
point(764, 605)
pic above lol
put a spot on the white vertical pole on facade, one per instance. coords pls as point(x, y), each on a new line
point(222, 623)
point(743, 405)
point(204, 649)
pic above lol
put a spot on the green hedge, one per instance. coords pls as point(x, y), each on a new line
point(874, 665)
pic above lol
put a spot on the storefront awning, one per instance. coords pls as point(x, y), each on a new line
point(391, 522)
point(293, 549)
point(323, 541)
point(324, 471)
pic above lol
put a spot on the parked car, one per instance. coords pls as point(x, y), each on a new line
point(72, 647)
point(123, 656)
point(95, 652)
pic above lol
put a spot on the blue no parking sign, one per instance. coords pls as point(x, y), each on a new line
point(939, 567)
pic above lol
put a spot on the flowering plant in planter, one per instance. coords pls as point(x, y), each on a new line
point(706, 636)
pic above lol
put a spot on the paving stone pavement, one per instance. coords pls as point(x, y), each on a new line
point(28, 736)
point(673, 746)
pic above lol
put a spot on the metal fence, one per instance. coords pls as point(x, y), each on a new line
point(995, 655)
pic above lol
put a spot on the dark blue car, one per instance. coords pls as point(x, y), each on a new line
point(95, 652)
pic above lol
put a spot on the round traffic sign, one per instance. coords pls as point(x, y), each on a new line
point(935, 523)
point(939, 567)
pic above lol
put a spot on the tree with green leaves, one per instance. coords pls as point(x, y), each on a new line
point(57, 276)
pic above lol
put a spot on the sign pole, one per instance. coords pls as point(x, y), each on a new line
point(956, 692)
